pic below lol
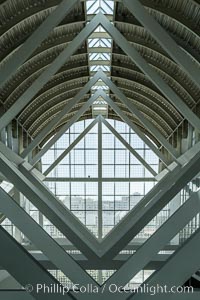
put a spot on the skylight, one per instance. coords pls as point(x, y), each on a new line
point(96, 6)
point(99, 50)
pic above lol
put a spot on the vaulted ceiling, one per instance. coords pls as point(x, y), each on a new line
point(19, 19)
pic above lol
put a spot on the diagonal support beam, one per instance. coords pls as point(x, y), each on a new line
point(164, 39)
point(28, 95)
point(14, 256)
point(31, 44)
point(166, 90)
point(17, 295)
point(64, 128)
point(172, 181)
point(149, 207)
point(10, 154)
point(178, 268)
point(134, 127)
point(33, 189)
point(42, 240)
point(156, 242)
point(122, 140)
point(66, 109)
point(86, 264)
point(77, 140)
point(175, 296)
point(133, 109)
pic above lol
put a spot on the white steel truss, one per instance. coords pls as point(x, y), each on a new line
point(99, 31)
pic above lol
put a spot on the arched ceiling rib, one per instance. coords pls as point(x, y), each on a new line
point(129, 87)
point(180, 18)
point(166, 68)
point(149, 114)
point(155, 110)
point(34, 69)
point(86, 115)
point(32, 113)
point(52, 112)
point(71, 68)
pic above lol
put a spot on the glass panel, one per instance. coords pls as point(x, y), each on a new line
point(108, 202)
point(107, 157)
point(108, 171)
point(117, 162)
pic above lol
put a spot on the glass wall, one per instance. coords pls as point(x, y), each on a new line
point(124, 181)
point(74, 181)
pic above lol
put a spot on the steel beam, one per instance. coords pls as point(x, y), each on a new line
point(64, 128)
point(133, 109)
point(20, 295)
point(76, 141)
point(10, 154)
point(122, 140)
point(17, 295)
point(133, 246)
point(66, 109)
point(134, 127)
point(175, 296)
point(156, 242)
point(33, 189)
point(104, 179)
point(165, 184)
point(28, 95)
point(24, 268)
point(40, 238)
point(148, 207)
point(6, 281)
point(178, 268)
point(31, 44)
point(196, 277)
point(86, 264)
point(164, 39)
point(166, 90)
